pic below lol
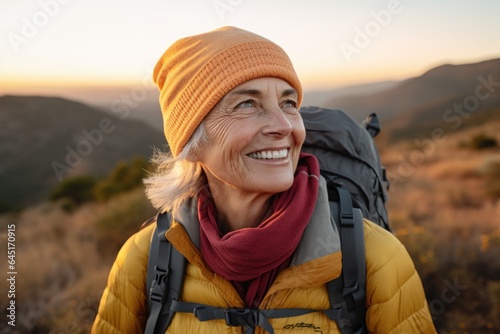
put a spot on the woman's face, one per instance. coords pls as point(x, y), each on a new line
point(255, 134)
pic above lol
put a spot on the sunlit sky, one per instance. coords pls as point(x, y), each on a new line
point(331, 43)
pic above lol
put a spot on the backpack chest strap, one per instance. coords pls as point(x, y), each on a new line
point(248, 317)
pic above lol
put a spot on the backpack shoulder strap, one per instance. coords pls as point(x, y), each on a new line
point(165, 277)
point(347, 292)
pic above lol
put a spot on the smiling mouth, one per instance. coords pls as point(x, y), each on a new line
point(268, 155)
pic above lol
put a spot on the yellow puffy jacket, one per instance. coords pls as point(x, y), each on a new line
point(394, 295)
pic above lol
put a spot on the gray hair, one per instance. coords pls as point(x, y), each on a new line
point(176, 179)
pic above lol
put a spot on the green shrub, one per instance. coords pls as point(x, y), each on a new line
point(482, 141)
point(75, 191)
point(124, 177)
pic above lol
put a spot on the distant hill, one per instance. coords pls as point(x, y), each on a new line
point(46, 139)
point(437, 89)
point(323, 96)
point(447, 97)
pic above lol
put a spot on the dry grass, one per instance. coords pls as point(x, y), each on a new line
point(440, 210)
point(61, 270)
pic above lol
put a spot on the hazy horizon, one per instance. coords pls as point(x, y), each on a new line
point(103, 95)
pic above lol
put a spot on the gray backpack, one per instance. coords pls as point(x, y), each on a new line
point(357, 188)
point(348, 158)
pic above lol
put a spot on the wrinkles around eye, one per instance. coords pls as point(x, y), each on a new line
point(246, 104)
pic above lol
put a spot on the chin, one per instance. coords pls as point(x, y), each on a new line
point(276, 185)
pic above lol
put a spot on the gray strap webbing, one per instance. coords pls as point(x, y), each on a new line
point(165, 277)
point(348, 291)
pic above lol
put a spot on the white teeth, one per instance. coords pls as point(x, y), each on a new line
point(280, 154)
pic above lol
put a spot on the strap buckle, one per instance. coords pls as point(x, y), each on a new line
point(241, 317)
point(157, 293)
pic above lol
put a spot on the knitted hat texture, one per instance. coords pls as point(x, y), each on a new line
point(195, 73)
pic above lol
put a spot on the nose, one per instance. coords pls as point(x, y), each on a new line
point(278, 123)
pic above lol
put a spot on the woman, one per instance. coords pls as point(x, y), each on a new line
point(248, 207)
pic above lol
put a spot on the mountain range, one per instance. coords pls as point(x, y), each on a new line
point(44, 139)
point(448, 97)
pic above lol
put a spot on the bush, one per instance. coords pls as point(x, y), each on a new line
point(125, 176)
point(482, 141)
point(75, 191)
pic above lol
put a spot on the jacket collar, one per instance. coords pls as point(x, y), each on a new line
point(319, 238)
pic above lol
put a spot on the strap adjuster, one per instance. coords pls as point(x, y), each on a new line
point(241, 317)
point(347, 219)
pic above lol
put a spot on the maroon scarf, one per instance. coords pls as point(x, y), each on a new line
point(251, 258)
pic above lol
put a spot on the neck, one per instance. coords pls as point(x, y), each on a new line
point(237, 210)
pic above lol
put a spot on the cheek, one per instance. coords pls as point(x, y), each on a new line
point(224, 140)
point(299, 132)
point(217, 129)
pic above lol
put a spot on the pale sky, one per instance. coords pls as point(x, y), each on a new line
point(331, 43)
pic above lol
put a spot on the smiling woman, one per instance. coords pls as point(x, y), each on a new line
point(247, 210)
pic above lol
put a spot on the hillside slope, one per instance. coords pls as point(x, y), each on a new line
point(46, 139)
point(439, 86)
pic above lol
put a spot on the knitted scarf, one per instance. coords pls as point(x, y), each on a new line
point(251, 258)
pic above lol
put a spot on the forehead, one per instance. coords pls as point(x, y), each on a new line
point(262, 86)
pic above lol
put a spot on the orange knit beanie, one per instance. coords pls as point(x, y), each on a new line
point(197, 71)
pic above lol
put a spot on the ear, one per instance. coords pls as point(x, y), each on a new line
point(193, 157)
point(195, 154)
point(196, 144)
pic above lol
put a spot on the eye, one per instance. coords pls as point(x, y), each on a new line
point(288, 104)
point(246, 104)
